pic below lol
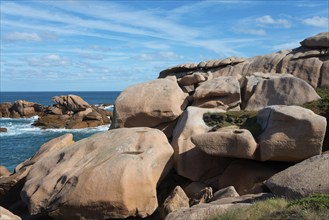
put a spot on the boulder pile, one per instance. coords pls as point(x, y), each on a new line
point(72, 112)
point(198, 141)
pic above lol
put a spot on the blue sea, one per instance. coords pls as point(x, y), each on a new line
point(22, 139)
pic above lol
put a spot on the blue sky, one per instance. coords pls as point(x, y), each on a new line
point(68, 45)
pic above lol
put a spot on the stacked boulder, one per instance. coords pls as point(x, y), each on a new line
point(20, 109)
point(206, 135)
point(72, 112)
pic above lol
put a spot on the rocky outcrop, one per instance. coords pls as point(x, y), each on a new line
point(72, 112)
point(191, 162)
point(112, 174)
point(71, 103)
point(320, 40)
point(153, 104)
point(307, 62)
point(3, 129)
point(222, 92)
point(20, 109)
point(305, 178)
point(290, 133)
point(238, 143)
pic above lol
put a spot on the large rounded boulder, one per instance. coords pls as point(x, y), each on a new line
point(113, 174)
point(149, 104)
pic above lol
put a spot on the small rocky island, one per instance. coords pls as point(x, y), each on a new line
point(70, 111)
point(201, 140)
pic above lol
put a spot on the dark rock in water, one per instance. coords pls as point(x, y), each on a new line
point(3, 129)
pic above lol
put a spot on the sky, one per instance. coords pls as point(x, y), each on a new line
point(76, 45)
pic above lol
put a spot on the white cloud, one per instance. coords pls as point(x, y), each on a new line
point(317, 21)
point(268, 20)
point(21, 36)
point(259, 32)
point(49, 60)
point(163, 56)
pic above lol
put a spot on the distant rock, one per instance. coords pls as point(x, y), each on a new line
point(306, 178)
point(290, 133)
point(3, 129)
point(72, 112)
point(320, 40)
point(20, 109)
point(71, 103)
point(112, 174)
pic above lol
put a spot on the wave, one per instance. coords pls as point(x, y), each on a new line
point(23, 126)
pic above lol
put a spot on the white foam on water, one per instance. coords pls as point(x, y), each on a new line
point(23, 126)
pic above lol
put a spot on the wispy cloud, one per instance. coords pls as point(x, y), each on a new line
point(268, 20)
point(259, 32)
point(49, 60)
point(285, 46)
point(317, 21)
point(164, 56)
point(21, 36)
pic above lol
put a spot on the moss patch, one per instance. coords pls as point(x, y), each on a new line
point(242, 119)
point(321, 107)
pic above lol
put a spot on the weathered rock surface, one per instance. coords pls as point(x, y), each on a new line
point(71, 103)
point(280, 91)
point(72, 112)
point(306, 62)
point(191, 162)
point(291, 133)
point(218, 207)
point(20, 109)
point(195, 78)
point(149, 104)
point(222, 92)
point(247, 176)
point(237, 143)
point(227, 192)
point(10, 186)
point(4, 171)
point(308, 177)
point(175, 201)
point(320, 40)
point(112, 174)
point(7, 215)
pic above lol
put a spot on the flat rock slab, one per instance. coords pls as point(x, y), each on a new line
point(308, 177)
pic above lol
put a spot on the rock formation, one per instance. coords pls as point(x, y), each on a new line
point(72, 112)
point(180, 147)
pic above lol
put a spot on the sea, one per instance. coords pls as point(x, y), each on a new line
point(22, 140)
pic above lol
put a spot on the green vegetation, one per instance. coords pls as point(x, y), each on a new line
point(315, 207)
point(242, 119)
point(321, 107)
